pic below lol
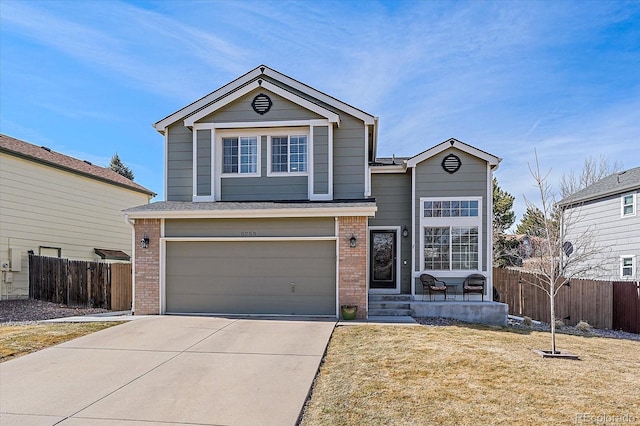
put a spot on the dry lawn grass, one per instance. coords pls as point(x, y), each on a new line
point(470, 375)
point(17, 340)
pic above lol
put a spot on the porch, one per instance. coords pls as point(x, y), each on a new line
point(487, 312)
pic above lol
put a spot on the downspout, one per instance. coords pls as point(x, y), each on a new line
point(133, 263)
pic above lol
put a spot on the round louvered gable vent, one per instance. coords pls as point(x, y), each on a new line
point(261, 104)
point(451, 163)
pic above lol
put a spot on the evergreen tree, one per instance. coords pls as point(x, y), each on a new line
point(504, 249)
point(534, 223)
point(119, 167)
point(503, 214)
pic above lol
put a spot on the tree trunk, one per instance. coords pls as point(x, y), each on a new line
point(552, 296)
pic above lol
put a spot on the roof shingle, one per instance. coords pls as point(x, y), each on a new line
point(45, 155)
point(616, 183)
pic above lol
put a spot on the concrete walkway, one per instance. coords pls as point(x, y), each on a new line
point(169, 370)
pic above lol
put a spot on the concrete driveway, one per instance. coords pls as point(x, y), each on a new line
point(169, 370)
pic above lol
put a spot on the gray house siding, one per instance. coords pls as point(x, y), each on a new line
point(179, 163)
point(204, 162)
point(272, 227)
point(470, 181)
point(264, 188)
point(321, 160)
point(349, 159)
point(614, 235)
point(393, 198)
point(241, 110)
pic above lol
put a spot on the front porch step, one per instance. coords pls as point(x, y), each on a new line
point(389, 305)
point(390, 297)
point(389, 312)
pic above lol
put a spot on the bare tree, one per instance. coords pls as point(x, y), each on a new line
point(592, 171)
point(558, 261)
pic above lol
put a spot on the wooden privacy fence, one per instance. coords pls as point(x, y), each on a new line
point(626, 302)
point(603, 304)
point(80, 283)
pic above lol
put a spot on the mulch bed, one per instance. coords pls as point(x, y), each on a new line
point(29, 310)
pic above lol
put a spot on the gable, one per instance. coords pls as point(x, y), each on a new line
point(241, 110)
point(263, 73)
point(260, 84)
point(461, 146)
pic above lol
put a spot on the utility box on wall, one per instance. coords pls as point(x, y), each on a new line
point(15, 257)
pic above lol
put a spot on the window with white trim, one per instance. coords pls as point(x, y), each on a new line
point(451, 233)
point(289, 154)
point(628, 205)
point(627, 267)
point(240, 155)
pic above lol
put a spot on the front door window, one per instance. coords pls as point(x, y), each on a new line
point(383, 259)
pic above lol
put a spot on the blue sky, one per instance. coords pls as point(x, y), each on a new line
point(88, 78)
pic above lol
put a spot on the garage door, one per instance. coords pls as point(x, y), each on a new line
point(251, 277)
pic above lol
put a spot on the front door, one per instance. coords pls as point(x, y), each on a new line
point(383, 260)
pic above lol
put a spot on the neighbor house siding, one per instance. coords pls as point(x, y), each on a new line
point(614, 235)
point(470, 181)
point(393, 198)
point(271, 227)
point(179, 164)
point(349, 159)
point(45, 206)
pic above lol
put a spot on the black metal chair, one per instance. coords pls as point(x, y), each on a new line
point(432, 285)
point(474, 283)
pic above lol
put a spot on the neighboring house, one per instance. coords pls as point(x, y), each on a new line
point(277, 204)
point(55, 205)
point(607, 211)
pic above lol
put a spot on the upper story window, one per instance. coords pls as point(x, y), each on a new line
point(289, 154)
point(451, 233)
point(240, 155)
point(452, 208)
point(627, 266)
point(628, 205)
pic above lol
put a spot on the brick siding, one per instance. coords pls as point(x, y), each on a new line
point(147, 268)
point(352, 276)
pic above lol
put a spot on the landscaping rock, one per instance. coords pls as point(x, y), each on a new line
point(19, 312)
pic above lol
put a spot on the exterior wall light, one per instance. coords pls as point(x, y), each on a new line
point(144, 242)
point(352, 241)
point(405, 232)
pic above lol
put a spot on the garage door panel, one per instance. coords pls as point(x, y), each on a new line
point(251, 277)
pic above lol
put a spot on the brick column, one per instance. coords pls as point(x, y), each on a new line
point(147, 267)
point(352, 276)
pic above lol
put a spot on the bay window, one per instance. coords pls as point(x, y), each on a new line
point(451, 233)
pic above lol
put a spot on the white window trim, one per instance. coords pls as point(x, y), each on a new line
point(633, 203)
point(288, 134)
point(633, 266)
point(451, 222)
point(211, 196)
point(220, 153)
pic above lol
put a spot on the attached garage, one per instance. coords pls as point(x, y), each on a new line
point(282, 277)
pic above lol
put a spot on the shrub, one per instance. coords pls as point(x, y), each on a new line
point(583, 326)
